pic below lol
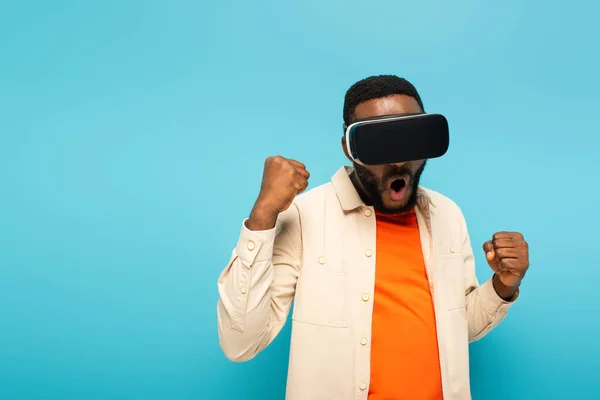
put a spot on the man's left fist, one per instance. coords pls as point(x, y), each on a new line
point(508, 255)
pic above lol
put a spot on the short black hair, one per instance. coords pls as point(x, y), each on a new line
point(376, 87)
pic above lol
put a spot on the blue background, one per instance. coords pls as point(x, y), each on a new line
point(132, 138)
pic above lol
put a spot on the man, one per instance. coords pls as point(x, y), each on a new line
point(381, 270)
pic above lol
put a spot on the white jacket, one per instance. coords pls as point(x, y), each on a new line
point(322, 255)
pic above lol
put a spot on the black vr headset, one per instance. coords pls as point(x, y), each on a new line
point(393, 139)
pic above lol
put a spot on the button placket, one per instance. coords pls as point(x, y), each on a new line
point(366, 273)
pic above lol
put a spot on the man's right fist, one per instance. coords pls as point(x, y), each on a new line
point(283, 179)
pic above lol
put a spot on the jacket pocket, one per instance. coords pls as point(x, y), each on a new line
point(321, 297)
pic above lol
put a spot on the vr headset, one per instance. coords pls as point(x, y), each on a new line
point(393, 139)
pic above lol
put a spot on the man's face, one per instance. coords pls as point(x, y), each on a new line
point(390, 188)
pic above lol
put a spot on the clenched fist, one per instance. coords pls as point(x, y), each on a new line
point(508, 255)
point(283, 179)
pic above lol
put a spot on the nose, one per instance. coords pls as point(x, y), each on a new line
point(398, 165)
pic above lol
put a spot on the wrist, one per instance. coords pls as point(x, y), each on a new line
point(505, 292)
point(262, 218)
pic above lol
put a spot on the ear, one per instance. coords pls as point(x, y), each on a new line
point(345, 148)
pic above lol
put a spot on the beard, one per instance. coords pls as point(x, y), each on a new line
point(373, 187)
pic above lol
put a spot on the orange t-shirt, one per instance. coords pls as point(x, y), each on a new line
point(404, 351)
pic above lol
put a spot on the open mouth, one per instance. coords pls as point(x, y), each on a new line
point(397, 188)
point(398, 184)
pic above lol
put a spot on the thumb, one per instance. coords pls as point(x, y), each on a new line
point(490, 254)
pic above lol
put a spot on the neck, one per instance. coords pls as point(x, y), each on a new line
point(362, 193)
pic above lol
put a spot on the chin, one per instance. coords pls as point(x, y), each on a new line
point(401, 203)
point(389, 206)
point(398, 204)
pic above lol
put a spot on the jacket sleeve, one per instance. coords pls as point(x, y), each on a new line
point(257, 287)
point(485, 309)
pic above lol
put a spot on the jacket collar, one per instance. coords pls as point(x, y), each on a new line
point(350, 200)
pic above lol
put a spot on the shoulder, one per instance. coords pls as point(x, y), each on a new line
point(303, 204)
point(442, 202)
point(315, 195)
